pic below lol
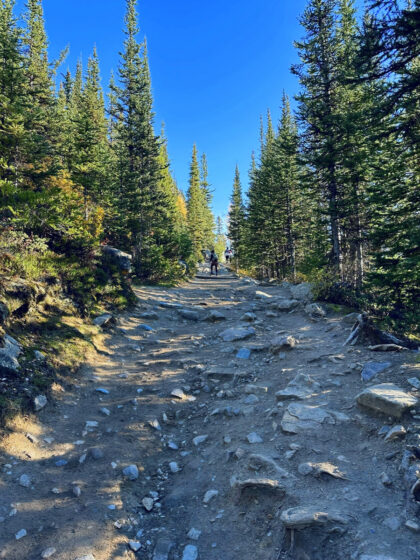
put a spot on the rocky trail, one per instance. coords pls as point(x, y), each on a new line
point(225, 421)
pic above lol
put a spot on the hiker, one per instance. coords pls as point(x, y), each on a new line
point(227, 254)
point(214, 262)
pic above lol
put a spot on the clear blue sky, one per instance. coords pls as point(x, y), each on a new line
point(216, 66)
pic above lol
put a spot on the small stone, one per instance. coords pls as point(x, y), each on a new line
point(102, 390)
point(209, 495)
point(172, 445)
point(243, 354)
point(251, 399)
point(48, 552)
point(20, 534)
point(253, 437)
point(384, 478)
point(134, 545)
point(282, 343)
point(131, 472)
point(96, 453)
point(147, 503)
point(25, 481)
point(179, 394)
point(76, 491)
point(103, 320)
point(86, 557)
point(39, 402)
point(61, 463)
point(144, 327)
point(232, 334)
point(155, 424)
point(56, 491)
point(190, 552)
point(227, 439)
point(414, 382)
point(174, 467)
point(305, 468)
point(412, 525)
point(105, 411)
point(306, 516)
point(91, 424)
point(392, 523)
point(199, 439)
point(194, 534)
point(248, 317)
point(39, 356)
point(396, 432)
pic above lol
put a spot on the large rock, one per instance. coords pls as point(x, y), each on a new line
point(299, 417)
point(315, 310)
point(119, 258)
point(284, 304)
point(4, 313)
point(388, 399)
point(214, 316)
point(104, 320)
point(280, 343)
point(266, 484)
point(307, 516)
point(237, 333)
point(302, 292)
point(9, 353)
point(301, 387)
point(189, 314)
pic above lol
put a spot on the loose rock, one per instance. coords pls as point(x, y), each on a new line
point(388, 399)
point(209, 495)
point(190, 552)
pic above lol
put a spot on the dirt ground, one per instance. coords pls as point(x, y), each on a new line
point(76, 499)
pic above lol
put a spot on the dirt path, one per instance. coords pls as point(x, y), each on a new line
point(226, 495)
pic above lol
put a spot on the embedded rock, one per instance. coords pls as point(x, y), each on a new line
point(237, 333)
point(302, 517)
point(282, 343)
point(299, 417)
point(301, 387)
point(388, 399)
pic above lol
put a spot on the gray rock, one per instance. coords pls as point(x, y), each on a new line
point(4, 312)
point(376, 557)
point(131, 472)
point(262, 295)
point(307, 516)
point(282, 343)
point(299, 417)
point(248, 317)
point(302, 292)
point(39, 356)
point(134, 545)
point(39, 402)
point(301, 387)
point(370, 369)
point(284, 304)
point(25, 481)
point(20, 534)
point(315, 310)
point(388, 399)
point(9, 353)
point(396, 432)
point(317, 469)
point(77, 491)
point(257, 462)
point(149, 315)
point(169, 305)
point(199, 439)
point(251, 399)
point(209, 495)
point(105, 411)
point(237, 333)
point(102, 390)
point(179, 394)
point(215, 316)
point(266, 484)
point(253, 437)
point(384, 478)
point(122, 260)
point(414, 382)
point(250, 389)
point(190, 552)
point(147, 503)
point(194, 534)
point(305, 469)
point(243, 354)
point(96, 453)
point(155, 424)
point(104, 320)
point(392, 523)
point(48, 552)
point(412, 525)
point(86, 557)
point(189, 314)
point(174, 467)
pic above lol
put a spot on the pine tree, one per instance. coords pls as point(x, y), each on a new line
point(196, 205)
point(208, 214)
point(142, 207)
point(237, 218)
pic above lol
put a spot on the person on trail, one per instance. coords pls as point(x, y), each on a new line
point(227, 254)
point(214, 262)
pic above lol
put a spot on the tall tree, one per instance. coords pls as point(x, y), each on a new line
point(196, 205)
point(208, 214)
point(237, 218)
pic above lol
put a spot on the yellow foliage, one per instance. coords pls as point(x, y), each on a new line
point(181, 207)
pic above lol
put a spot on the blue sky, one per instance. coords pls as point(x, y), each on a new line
point(216, 67)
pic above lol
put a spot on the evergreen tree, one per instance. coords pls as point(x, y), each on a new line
point(236, 218)
point(208, 214)
point(196, 205)
point(142, 207)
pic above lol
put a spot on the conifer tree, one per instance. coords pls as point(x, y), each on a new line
point(237, 218)
point(142, 207)
point(196, 205)
point(208, 214)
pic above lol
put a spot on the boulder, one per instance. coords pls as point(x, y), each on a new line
point(237, 333)
point(301, 387)
point(9, 353)
point(4, 313)
point(299, 417)
point(249, 317)
point(370, 369)
point(280, 343)
point(388, 399)
point(302, 292)
point(122, 260)
point(104, 320)
point(315, 310)
point(284, 304)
